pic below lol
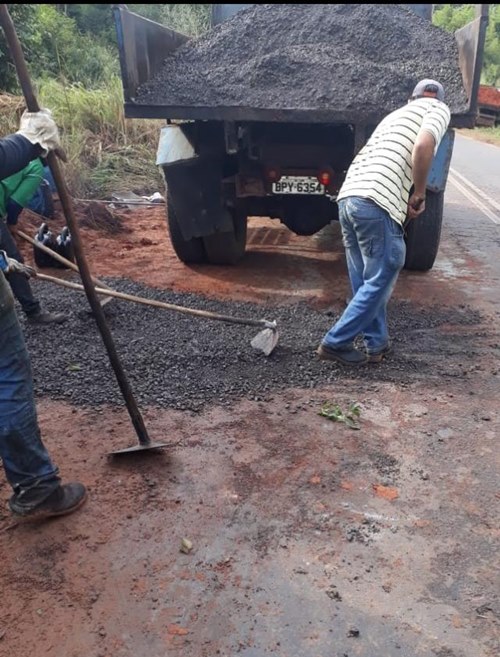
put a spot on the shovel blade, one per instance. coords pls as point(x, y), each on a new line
point(140, 448)
point(266, 341)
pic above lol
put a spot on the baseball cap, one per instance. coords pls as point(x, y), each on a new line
point(430, 88)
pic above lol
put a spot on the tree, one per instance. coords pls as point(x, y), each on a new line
point(453, 17)
point(24, 18)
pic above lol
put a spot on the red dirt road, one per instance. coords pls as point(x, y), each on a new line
point(310, 539)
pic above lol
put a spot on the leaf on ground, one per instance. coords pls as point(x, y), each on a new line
point(387, 492)
point(334, 413)
point(74, 367)
point(352, 424)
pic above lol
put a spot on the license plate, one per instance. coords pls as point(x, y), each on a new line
point(298, 185)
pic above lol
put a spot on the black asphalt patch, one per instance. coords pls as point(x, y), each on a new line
point(182, 362)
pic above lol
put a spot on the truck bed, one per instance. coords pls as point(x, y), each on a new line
point(243, 70)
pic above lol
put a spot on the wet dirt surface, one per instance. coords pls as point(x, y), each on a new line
point(310, 539)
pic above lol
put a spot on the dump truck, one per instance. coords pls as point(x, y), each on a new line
point(225, 160)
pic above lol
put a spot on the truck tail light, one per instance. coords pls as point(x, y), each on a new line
point(325, 177)
point(273, 174)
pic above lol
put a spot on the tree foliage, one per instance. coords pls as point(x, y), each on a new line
point(55, 47)
point(77, 43)
point(453, 17)
point(24, 19)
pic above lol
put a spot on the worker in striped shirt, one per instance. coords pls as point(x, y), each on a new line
point(384, 186)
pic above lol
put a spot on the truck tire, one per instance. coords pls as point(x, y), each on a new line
point(188, 251)
point(228, 248)
point(424, 233)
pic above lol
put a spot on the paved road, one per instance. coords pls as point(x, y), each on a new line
point(471, 233)
point(479, 163)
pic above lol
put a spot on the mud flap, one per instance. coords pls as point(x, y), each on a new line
point(195, 191)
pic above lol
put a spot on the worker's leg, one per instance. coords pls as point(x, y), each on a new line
point(354, 257)
point(19, 284)
point(27, 464)
point(376, 334)
point(383, 256)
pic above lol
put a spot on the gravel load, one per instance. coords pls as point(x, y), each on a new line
point(358, 62)
point(187, 363)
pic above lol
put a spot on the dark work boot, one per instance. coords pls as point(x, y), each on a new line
point(44, 317)
point(379, 356)
point(346, 356)
point(66, 498)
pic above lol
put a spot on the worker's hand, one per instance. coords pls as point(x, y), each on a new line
point(416, 205)
point(40, 128)
point(11, 266)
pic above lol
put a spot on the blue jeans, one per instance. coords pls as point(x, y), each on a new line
point(375, 251)
point(25, 460)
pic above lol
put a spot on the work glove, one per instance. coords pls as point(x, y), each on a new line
point(40, 128)
point(11, 266)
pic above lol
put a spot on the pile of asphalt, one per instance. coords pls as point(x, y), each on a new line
point(183, 362)
point(357, 61)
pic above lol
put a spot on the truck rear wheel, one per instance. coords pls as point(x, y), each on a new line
point(229, 247)
point(423, 234)
point(188, 251)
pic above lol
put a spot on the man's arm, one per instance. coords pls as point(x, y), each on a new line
point(16, 152)
point(37, 135)
point(421, 158)
point(432, 130)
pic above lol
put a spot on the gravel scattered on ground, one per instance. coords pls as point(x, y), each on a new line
point(183, 362)
point(358, 61)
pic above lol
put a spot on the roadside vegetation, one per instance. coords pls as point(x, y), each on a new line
point(488, 135)
point(73, 59)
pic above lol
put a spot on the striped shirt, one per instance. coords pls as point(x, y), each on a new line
point(382, 170)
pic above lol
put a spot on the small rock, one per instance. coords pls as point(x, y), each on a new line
point(186, 546)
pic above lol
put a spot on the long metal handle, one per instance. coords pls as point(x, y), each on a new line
point(65, 198)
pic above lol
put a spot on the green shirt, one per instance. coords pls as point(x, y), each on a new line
point(21, 186)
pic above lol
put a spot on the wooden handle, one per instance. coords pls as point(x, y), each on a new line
point(160, 304)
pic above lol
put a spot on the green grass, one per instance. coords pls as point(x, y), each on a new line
point(489, 135)
point(106, 152)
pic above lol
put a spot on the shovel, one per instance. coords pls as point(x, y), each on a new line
point(265, 341)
